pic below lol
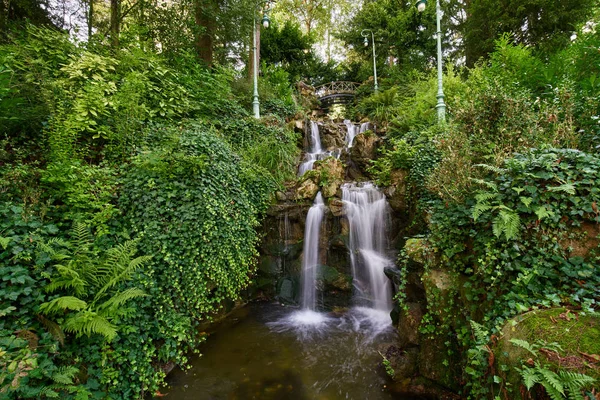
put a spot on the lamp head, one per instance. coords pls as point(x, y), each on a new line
point(366, 42)
point(266, 21)
point(421, 5)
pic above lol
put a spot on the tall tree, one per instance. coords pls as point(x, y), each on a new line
point(205, 13)
point(115, 22)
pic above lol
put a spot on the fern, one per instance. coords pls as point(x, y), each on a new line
point(88, 322)
point(62, 304)
point(491, 168)
point(89, 284)
point(525, 345)
point(508, 223)
point(481, 335)
point(4, 241)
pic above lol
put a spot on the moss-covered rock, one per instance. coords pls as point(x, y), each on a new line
point(307, 190)
point(331, 175)
point(419, 250)
point(578, 335)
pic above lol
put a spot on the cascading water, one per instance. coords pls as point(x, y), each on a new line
point(310, 260)
point(315, 152)
point(353, 130)
point(368, 213)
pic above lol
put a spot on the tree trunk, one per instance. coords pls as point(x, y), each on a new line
point(3, 17)
point(115, 22)
point(205, 13)
point(90, 21)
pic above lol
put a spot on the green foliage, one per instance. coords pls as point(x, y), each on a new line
point(558, 385)
point(511, 240)
point(90, 284)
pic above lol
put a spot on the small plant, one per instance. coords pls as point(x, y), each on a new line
point(389, 370)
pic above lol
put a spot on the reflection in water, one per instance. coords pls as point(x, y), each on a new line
point(274, 354)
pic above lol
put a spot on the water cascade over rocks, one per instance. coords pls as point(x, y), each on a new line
point(368, 213)
point(310, 261)
point(315, 152)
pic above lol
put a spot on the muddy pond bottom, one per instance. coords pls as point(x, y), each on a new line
point(266, 351)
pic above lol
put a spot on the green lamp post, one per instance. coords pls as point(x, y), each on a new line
point(365, 34)
point(441, 106)
point(265, 23)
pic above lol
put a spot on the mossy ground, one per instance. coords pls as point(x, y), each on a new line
point(576, 333)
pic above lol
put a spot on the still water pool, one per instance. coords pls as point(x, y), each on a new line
point(266, 351)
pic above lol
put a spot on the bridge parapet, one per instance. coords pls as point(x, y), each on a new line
point(340, 92)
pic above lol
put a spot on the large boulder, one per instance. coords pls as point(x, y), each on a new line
point(397, 191)
point(364, 149)
point(331, 175)
point(307, 190)
point(333, 135)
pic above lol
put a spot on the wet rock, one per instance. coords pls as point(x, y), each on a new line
point(438, 362)
point(336, 206)
point(307, 190)
point(551, 326)
point(418, 250)
point(404, 362)
point(332, 278)
point(364, 149)
point(280, 196)
point(333, 135)
point(331, 175)
point(396, 192)
point(408, 325)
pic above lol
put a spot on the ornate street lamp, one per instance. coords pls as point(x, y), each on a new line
point(265, 22)
point(366, 43)
point(441, 106)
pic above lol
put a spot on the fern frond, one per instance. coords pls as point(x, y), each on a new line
point(529, 376)
point(479, 209)
point(82, 238)
point(111, 305)
point(64, 375)
point(62, 304)
point(525, 345)
point(53, 328)
point(507, 222)
point(69, 278)
point(117, 260)
point(125, 275)
point(480, 333)
point(491, 168)
point(488, 184)
point(88, 322)
point(575, 382)
point(551, 382)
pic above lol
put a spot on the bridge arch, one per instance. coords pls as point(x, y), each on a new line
point(340, 92)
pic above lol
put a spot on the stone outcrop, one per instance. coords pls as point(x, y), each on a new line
point(331, 175)
point(364, 149)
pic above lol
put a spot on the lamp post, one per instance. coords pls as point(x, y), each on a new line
point(366, 42)
point(265, 22)
point(441, 106)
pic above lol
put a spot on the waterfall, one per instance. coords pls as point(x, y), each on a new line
point(315, 151)
point(353, 130)
point(368, 214)
point(310, 258)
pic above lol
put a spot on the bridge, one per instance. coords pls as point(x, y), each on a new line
point(341, 92)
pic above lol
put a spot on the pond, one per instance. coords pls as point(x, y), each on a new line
point(267, 351)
